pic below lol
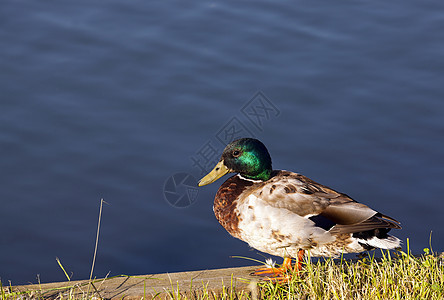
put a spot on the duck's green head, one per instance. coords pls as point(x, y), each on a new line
point(245, 156)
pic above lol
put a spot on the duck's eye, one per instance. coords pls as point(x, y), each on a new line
point(236, 153)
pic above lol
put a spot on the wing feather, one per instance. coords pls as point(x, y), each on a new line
point(307, 198)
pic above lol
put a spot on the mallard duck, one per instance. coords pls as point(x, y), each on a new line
point(284, 213)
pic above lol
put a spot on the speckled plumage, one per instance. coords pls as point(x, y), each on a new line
point(274, 216)
point(288, 212)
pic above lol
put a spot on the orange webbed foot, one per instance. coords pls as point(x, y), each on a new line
point(283, 273)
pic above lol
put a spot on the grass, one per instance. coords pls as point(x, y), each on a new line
point(395, 275)
point(402, 277)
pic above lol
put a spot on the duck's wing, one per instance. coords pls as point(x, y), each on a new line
point(326, 207)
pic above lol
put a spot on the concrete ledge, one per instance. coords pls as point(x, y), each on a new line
point(160, 286)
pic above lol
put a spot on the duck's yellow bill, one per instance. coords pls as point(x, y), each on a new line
point(219, 170)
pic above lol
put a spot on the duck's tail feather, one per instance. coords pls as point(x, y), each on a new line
point(390, 242)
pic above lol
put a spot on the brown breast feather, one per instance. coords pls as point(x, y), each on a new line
point(225, 203)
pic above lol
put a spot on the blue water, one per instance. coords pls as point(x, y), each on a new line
point(110, 99)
